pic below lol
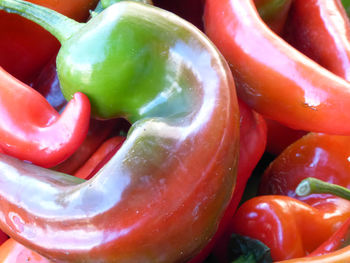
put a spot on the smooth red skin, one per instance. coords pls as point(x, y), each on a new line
point(335, 242)
point(321, 30)
point(48, 85)
point(13, 252)
point(93, 164)
point(98, 132)
point(280, 136)
point(32, 130)
point(273, 77)
point(322, 156)
point(339, 256)
point(27, 47)
point(252, 146)
point(289, 227)
point(314, 155)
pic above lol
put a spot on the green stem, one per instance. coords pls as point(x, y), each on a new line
point(57, 24)
point(312, 185)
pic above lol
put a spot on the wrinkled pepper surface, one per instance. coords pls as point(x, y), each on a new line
point(162, 194)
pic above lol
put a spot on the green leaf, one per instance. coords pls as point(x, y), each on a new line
point(249, 250)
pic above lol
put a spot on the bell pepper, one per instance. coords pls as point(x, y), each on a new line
point(315, 186)
point(31, 130)
point(25, 47)
point(307, 97)
point(315, 155)
point(289, 227)
point(252, 144)
point(160, 198)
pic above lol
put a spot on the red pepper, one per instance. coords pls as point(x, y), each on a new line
point(317, 155)
point(289, 227)
point(339, 256)
point(274, 78)
point(26, 47)
point(160, 198)
point(32, 130)
point(252, 145)
point(102, 155)
point(321, 30)
point(97, 133)
point(337, 241)
point(13, 252)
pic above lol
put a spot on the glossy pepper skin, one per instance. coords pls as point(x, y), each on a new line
point(100, 157)
point(321, 21)
point(31, 130)
point(159, 199)
point(338, 240)
point(308, 97)
point(315, 155)
point(252, 143)
point(25, 47)
point(289, 227)
point(13, 252)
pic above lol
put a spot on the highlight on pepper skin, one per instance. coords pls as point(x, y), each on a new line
point(123, 137)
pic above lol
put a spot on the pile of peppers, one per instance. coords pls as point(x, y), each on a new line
point(201, 131)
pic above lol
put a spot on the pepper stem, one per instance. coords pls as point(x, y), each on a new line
point(57, 24)
point(312, 185)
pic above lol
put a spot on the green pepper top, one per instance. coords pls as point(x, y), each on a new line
point(123, 59)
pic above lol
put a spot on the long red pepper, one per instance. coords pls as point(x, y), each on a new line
point(321, 30)
point(31, 130)
point(273, 77)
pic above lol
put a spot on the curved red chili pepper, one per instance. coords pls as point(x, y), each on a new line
point(102, 155)
point(321, 30)
point(274, 78)
point(97, 133)
point(161, 196)
point(31, 130)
